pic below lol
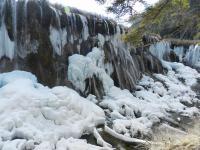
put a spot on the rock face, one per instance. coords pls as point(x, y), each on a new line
point(151, 38)
point(39, 37)
point(147, 62)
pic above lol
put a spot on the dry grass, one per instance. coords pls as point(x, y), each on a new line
point(178, 141)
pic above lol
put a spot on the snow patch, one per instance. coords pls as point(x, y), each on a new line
point(154, 100)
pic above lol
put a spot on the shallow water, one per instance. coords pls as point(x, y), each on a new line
point(164, 138)
point(185, 135)
point(178, 141)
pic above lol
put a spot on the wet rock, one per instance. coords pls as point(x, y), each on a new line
point(147, 62)
point(44, 36)
point(151, 38)
point(125, 69)
point(173, 57)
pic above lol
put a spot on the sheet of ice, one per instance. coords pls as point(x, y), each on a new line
point(193, 56)
point(31, 112)
point(58, 39)
point(85, 30)
point(179, 51)
point(190, 56)
point(6, 45)
point(160, 49)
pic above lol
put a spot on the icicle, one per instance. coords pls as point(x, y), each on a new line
point(58, 36)
point(160, 49)
point(107, 27)
point(85, 32)
point(14, 18)
point(58, 39)
point(179, 51)
point(6, 45)
point(193, 56)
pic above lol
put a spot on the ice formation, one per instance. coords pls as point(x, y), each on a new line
point(58, 39)
point(41, 118)
point(190, 56)
point(155, 101)
point(85, 31)
point(6, 45)
point(193, 56)
point(179, 51)
point(160, 49)
point(83, 67)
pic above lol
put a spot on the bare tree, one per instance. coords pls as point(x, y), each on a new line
point(123, 7)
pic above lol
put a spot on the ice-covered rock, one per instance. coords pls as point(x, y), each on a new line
point(6, 44)
point(160, 49)
point(84, 67)
point(193, 56)
point(155, 101)
point(190, 56)
point(135, 114)
point(31, 111)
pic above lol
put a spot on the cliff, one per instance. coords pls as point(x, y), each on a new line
point(39, 37)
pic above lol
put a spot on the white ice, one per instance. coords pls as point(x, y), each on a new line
point(6, 45)
point(190, 56)
point(193, 56)
point(156, 100)
point(58, 38)
point(34, 115)
point(160, 49)
point(82, 67)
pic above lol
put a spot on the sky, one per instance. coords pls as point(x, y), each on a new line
point(94, 7)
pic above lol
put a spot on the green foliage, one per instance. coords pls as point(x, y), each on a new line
point(197, 36)
point(169, 18)
point(134, 36)
point(67, 10)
